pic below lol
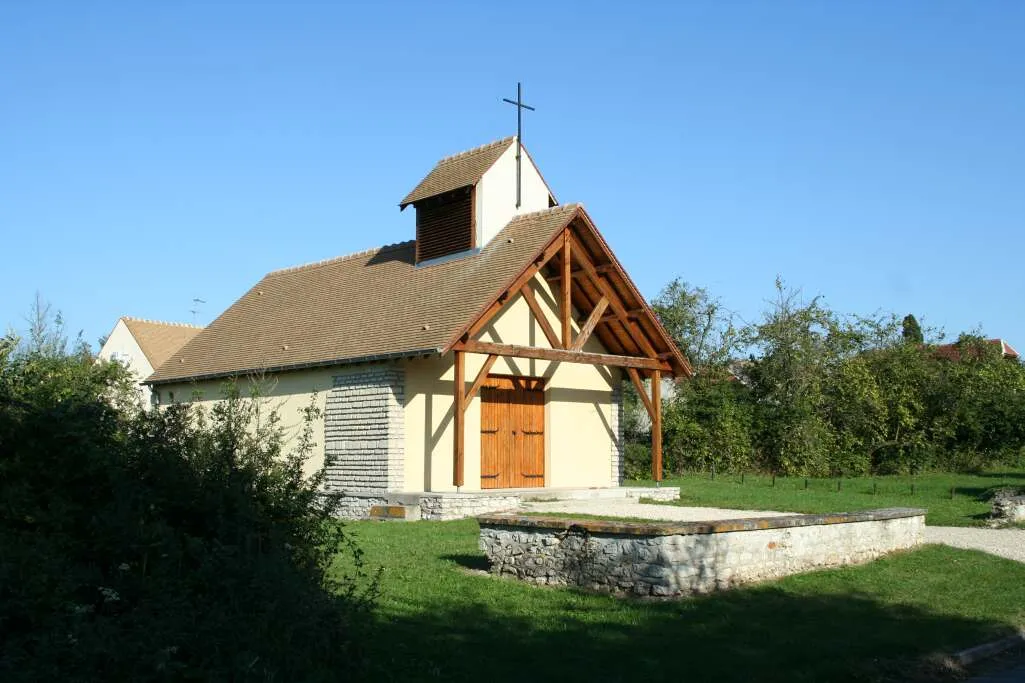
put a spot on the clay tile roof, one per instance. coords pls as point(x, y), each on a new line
point(953, 351)
point(159, 340)
point(459, 170)
point(365, 306)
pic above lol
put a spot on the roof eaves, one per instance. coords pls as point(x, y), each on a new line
point(374, 358)
point(415, 196)
point(673, 348)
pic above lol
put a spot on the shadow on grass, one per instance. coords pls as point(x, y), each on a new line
point(468, 561)
point(762, 634)
point(1002, 475)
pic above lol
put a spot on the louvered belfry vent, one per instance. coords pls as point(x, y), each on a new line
point(445, 224)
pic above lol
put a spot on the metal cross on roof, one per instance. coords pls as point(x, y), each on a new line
point(518, 102)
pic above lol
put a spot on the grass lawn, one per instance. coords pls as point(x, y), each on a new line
point(969, 505)
point(439, 618)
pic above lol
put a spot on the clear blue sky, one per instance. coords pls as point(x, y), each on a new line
point(870, 152)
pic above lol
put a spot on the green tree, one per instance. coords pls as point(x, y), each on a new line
point(911, 331)
point(708, 424)
point(797, 343)
point(707, 419)
point(699, 323)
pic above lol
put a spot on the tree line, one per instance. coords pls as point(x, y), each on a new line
point(807, 391)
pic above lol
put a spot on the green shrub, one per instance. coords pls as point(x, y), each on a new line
point(161, 546)
point(708, 424)
point(637, 463)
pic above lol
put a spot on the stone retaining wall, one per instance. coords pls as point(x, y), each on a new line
point(672, 559)
point(1010, 509)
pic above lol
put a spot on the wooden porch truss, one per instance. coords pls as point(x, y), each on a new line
point(579, 266)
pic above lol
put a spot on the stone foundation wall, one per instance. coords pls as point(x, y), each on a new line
point(351, 506)
point(661, 493)
point(666, 559)
point(433, 506)
point(458, 506)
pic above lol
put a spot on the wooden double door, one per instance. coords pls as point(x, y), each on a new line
point(512, 432)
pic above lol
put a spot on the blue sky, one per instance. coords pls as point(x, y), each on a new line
point(869, 152)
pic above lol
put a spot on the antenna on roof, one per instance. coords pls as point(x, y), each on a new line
point(518, 102)
point(195, 308)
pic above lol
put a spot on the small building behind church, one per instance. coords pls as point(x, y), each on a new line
point(143, 345)
point(458, 370)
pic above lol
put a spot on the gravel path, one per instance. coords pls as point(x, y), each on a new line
point(1009, 543)
point(631, 508)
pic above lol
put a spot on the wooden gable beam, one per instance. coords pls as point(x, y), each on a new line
point(528, 295)
point(567, 286)
point(590, 324)
point(482, 376)
point(526, 276)
point(617, 307)
point(580, 272)
point(562, 355)
point(660, 334)
point(642, 391)
point(631, 313)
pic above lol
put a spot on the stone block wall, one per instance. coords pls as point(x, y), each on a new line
point(665, 559)
point(364, 430)
point(618, 444)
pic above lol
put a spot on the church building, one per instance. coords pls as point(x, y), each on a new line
point(477, 363)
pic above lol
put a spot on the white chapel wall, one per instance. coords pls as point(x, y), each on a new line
point(288, 393)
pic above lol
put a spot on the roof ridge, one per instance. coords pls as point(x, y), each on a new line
point(345, 257)
point(479, 148)
point(549, 210)
point(160, 322)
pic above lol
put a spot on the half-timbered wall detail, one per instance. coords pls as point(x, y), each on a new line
point(590, 284)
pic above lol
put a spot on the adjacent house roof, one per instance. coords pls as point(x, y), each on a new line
point(159, 340)
point(379, 304)
point(953, 351)
point(458, 170)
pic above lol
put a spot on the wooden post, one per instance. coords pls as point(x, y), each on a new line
point(459, 418)
point(567, 302)
point(656, 425)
